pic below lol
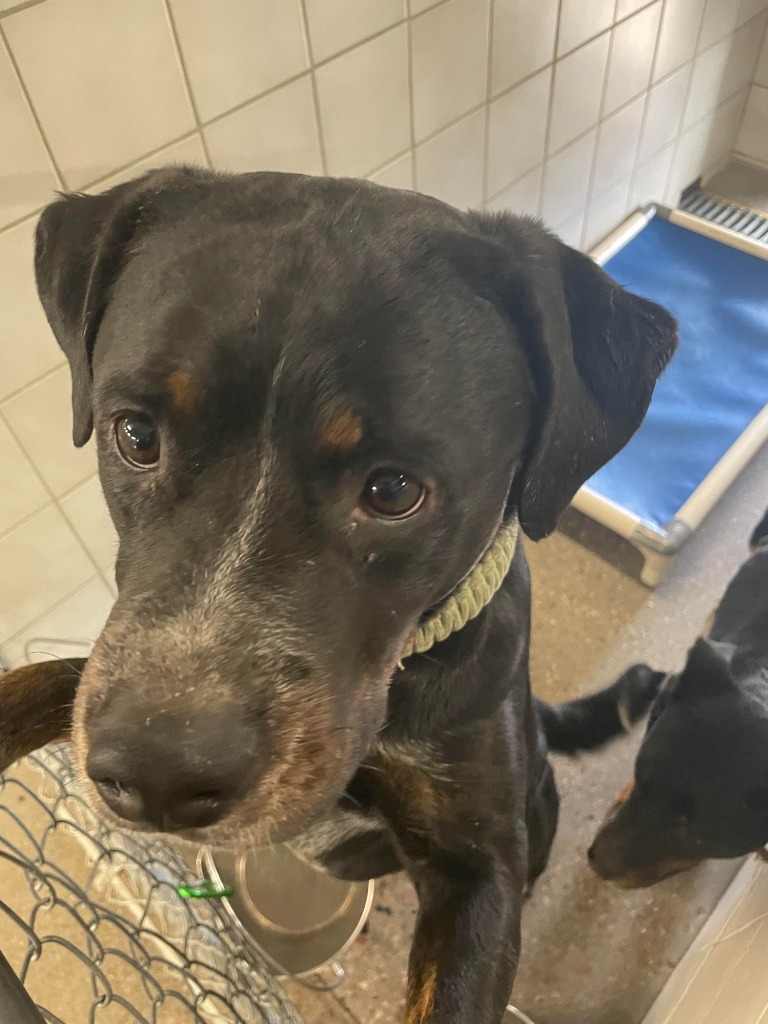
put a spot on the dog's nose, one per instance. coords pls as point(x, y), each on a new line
point(172, 777)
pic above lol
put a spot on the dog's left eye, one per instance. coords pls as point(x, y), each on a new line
point(138, 440)
point(390, 494)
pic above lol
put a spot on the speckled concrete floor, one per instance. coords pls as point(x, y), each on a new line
point(591, 954)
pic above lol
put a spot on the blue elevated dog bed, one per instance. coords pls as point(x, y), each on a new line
point(709, 413)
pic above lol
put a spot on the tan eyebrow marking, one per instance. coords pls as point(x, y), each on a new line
point(182, 391)
point(342, 432)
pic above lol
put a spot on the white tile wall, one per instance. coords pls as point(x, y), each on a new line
point(752, 140)
point(25, 167)
point(43, 562)
point(761, 71)
point(450, 63)
point(24, 492)
point(577, 92)
point(186, 151)
point(632, 50)
point(617, 142)
point(26, 346)
point(450, 166)
point(566, 180)
point(680, 24)
point(335, 25)
point(664, 112)
point(581, 20)
point(524, 34)
point(522, 197)
point(649, 180)
point(606, 212)
point(364, 126)
point(231, 59)
point(743, 56)
point(720, 18)
point(568, 109)
point(517, 131)
point(40, 417)
point(78, 619)
point(398, 174)
point(104, 78)
point(277, 132)
point(708, 70)
point(86, 511)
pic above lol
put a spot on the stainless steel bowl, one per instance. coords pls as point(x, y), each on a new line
point(300, 918)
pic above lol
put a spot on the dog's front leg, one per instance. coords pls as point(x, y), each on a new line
point(466, 945)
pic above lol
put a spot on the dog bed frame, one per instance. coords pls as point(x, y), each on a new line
point(709, 414)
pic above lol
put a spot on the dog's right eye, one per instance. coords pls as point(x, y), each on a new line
point(390, 494)
point(138, 440)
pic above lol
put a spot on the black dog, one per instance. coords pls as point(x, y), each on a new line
point(318, 405)
point(701, 777)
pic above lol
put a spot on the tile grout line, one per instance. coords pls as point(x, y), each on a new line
point(411, 100)
point(650, 86)
point(186, 79)
point(488, 91)
point(320, 134)
point(30, 384)
point(62, 181)
point(19, 7)
point(486, 125)
point(615, 22)
point(521, 177)
point(601, 119)
point(751, 84)
point(48, 503)
point(386, 165)
point(191, 134)
point(689, 88)
point(550, 105)
point(669, 142)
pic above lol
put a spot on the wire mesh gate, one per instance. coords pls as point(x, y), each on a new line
point(92, 923)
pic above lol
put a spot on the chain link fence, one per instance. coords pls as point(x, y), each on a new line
point(93, 925)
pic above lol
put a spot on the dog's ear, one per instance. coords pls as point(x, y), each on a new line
point(707, 671)
point(81, 244)
point(594, 350)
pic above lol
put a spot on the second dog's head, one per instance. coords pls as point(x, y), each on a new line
point(314, 401)
point(700, 789)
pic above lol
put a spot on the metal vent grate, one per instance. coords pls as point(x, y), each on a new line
point(728, 215)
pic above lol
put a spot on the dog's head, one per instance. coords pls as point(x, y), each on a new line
point(314, 401)
point(701, 777)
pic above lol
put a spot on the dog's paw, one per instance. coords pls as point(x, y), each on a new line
point(638, 689)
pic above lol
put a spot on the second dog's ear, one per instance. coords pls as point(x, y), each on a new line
point(81, 244)
point(707, 671)
point(594, 351)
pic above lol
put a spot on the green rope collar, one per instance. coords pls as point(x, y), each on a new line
point(472, 594)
